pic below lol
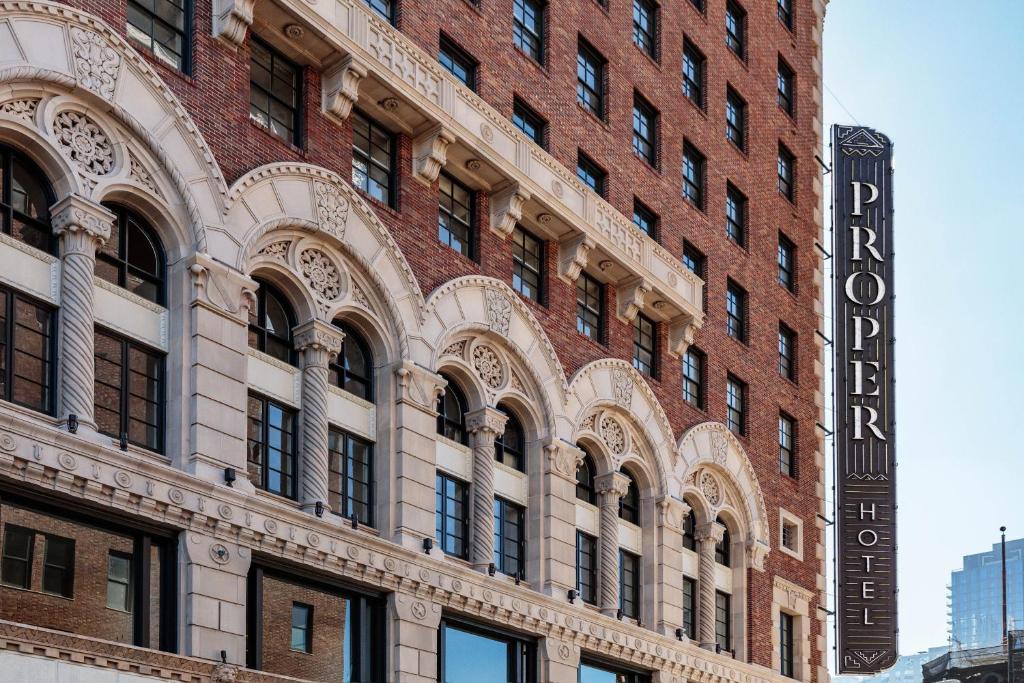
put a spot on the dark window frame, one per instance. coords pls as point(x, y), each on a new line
point(690, 531)
point(530, 40)
point(124, 409)
point(450, 51)
point(736, 29)
point(259, 328)
point(787, 445)
point(723, 548)
point(592, 95)
point(442, 515)
point(347, 501)
point(521, 264)
point(695, 83)
point(501, 446)
point(186, 32)
point(736, 215)
point(587, 168)
point(588, 309)
point(522, 651)
point(121, 262)
point(694, 176)
point(784, 11)
point(696, 262)
point(646, 117)
point(644, 215)
point(292, 455)
point(588, 467)
point(786, 658)
point(386, 9)
point(66, 580)
point(366, 158)
point(723, 627)
point(8, 374)
point(786, 260)
point(127, 583)
point(689, 382)
point(690, 607)
point(622, 674)
point(306, 628)
point(447, 422)
point(646, 37)
point(586, 576)
point(530, 118)
point(338, 366)
point(785, 84)
point(736, 311)
point(639, 336)
point(445, 234)
point(736, 410)
point(735, 119)
point(629, 503)
point(25, 562)
point(787, 352)
point(8, 215)
point(299, 95)
point(786, 171)
point(630, 590)
point(509, 554)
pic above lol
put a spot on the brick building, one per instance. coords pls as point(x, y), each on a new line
point(411, 341)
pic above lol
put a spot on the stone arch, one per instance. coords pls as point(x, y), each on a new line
point(86, 57)
point(489, 310)
point(614, 387)
point(709, 448)
point(310, 199)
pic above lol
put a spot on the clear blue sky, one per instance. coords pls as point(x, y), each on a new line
point(945, 81)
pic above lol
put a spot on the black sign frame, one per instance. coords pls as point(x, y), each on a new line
point(865, 392)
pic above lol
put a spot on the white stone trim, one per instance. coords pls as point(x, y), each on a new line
point(787, 517)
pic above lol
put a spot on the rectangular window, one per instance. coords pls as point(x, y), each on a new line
point(736, 311)
point(599, 672)
point(645, 130)
point(787, 351)
point(509, 539)
point(528, 28)
point(590, 307)
point(271, 445)
point(787, 445)
point(129, 391)
point(385, 8)
point(693, 176)
point(645, 27)
point(786, 644)
point(735, 119)
point(586, 567)
point(16, 568)
point(59, 566)
point(480, 654)
point(693, 377)
point(694, 67)
point(119, 568)
point(723, 623)
point(350, 476)
point(275, 91)
point(119, 581)
point(527, 265)
point(302, 628)
point(629, 584)
point(458, 62)
point(590, 79)
point(787, 263)
point(26, 352)
point(530, 122)
point(452, 519)
point(645, 358)
point(736, 405)
point(786, 165)
point(786, 86)
point(735, 215)
point(331, 633)
point(784, 9)
point(373, 159)
point(456, 217)
point(736, 28)
point(162, 27)
point(592, 175)
point(693, 259)
point(698, 5)
point(689, 607)
point(645, 219)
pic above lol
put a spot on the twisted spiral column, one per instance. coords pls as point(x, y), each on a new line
point(485, 425)
point(81, 226)
point(317, 343)
point(707, 536)
point(611, 487)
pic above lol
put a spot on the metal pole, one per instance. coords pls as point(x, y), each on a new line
point(1002, 530)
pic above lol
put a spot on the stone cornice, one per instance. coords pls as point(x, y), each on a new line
point(37, 456)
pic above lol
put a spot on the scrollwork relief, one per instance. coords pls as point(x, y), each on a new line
point(84, 142)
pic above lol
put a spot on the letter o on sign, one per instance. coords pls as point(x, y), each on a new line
point(867, 538)
point(879, 288)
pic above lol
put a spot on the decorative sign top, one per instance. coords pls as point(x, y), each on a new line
point(865, 429)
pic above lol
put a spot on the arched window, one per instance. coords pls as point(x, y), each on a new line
point(451, 413)
point(132, 258)
point(629, 504)
point(722, 549)
point(585, 480)
point(25, 200)
point(690, 531)
point(270, 325)
point(510, 447)
point(352, 368)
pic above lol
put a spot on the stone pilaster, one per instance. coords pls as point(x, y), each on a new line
point(707, 536)
point(561, 459)
point(668, 564)
point(611, 487)
point(218, 322)
point(559, 661)
point(82, 226)
point(484, 425)
point(317, 343)
point(215, 580)
point(413, 625)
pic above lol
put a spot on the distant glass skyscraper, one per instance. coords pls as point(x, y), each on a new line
point(975, 596)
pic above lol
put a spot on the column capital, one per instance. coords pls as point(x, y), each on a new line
point(672, 512)
point(319, 336)
point(80, 216)
point(220, 288)
point(613, 484)
point(486, 420)
point(709, 531)
point(430, 153)
point(340, 87)
point(563, 458)
point(507, 208)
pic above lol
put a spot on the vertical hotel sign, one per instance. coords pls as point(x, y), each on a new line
point(865, 429)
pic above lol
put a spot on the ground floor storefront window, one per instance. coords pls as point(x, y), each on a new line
point(472, 653)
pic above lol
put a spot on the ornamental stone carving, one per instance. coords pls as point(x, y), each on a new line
point(331, 209)
point(488, 366)
point(455, 349)
point(138, 173)
point(623, 388)
point(565, 459)
point(613, 434)
point(84, 142)
point(276, 250)
point(719, 449)
point(96, 63)
point(321, 273)
point(24, 109)
point(711, 489)
point(499, 311)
